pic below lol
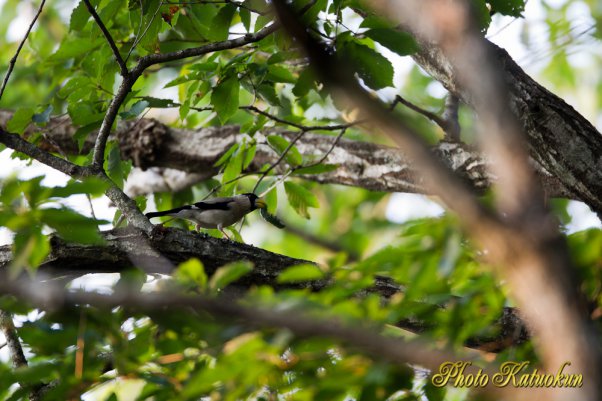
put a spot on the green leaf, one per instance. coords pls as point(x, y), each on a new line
point(280, 144)
point(399, 42)
point(84, 113)
point(249, 155)
point(300, 198)
point(245, 18)
point(228, 274)
point(117, 168)
point(72, 226)
point(79, 17)
point(92, 186)
point(82, 133)
point(305, 82)
point(73, 47)
point(372, 67)
point(20, 120)
point(316, 169)
point(191, 272)
point(300, 273)
point(135, 110)
point(43, 117)
point(278, 73)
point(220, 25)
point(226, 156)
point(225, 98)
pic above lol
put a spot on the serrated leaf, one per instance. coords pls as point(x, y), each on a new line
point(300, 273)
point(79, 17)
point(224, 98)
point(300, 198)
point(20, 120)
point(399, 42)
point(372, 67)
point(227, 274)
point(316, 169)
point(280, 144)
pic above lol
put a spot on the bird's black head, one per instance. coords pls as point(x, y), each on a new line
point(256, 201)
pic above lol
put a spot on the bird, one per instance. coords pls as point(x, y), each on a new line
point(215, 212)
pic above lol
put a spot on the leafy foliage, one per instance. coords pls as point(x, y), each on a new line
point(69, 68)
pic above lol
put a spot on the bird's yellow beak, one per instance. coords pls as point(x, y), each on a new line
point(260, 203)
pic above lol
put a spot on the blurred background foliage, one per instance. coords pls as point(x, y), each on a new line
point(67, 67)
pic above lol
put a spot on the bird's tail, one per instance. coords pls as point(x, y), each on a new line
point(158, 214)
point(166, 212)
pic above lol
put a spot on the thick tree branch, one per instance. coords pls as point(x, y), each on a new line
point(125, 248)
point(153, 59)
point(560, 139)
point(19, 144)
point(167, 152)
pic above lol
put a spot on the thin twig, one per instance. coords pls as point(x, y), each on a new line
point(139, 39)
point(293, 169)
point(306, 128)
point(135, 42)
point(123, 68)
point(279, 160)
point(431, 116)
point(13, 60)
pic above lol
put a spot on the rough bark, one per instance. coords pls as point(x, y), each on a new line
point(561, 141)
point(171, 159)
point(124, 248)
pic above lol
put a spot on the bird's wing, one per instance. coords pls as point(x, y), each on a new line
point(215, 204)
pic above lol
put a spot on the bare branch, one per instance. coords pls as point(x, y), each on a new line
point(431, 116)
point(13, 60)
point(12, 339)
point(122, 67)
point(19, 144)
point(152, 59)
point(15, 350)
